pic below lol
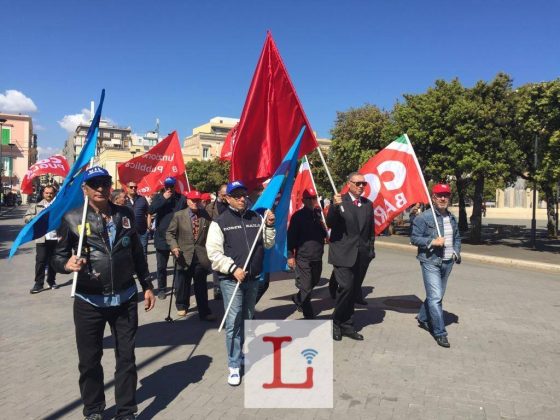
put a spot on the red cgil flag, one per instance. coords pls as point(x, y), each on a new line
point(395, 182)
point(149, 170)
point(227, 148)
point(271, 119)
point(55, 165)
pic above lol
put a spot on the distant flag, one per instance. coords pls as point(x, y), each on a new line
point(55, 165)
point(70, 195)
point(395, 182)
point(278, 192)
point(272, 117)
point(303, 181)
point(227, 147)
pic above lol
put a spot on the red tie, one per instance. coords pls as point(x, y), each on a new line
point(356, 201)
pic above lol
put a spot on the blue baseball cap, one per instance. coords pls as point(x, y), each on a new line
point(96, 172)
point(234, 185)
point(169, 181)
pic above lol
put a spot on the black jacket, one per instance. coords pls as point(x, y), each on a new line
point(108, 270)
point(164, 209)
point(306, 235)
point(352, 231)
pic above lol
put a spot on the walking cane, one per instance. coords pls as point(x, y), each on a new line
point(169, 319)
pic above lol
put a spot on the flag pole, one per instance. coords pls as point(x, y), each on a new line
point(188, 183)
point(315, 188)
point(328, 173)
point(423, 182)
point(244, 268)
point(81, 240)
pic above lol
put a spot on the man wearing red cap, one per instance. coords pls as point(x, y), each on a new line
point(306, 242)
point(436, 254)
point(186, 237)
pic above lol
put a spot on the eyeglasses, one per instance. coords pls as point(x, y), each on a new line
point(238, 196)
point(96, 183)
point(442, 196)
point(359, 183)
point(132, 187)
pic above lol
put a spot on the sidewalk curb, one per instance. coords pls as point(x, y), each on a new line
point(487, 259)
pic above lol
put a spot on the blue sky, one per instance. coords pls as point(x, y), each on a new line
point(187, 61)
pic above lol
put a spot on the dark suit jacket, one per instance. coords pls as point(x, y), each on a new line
point(351, 231)
point(180, 235)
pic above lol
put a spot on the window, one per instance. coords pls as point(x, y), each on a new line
point(7, 166)
point(6, 135)
point(205, 152)
point(106, 134)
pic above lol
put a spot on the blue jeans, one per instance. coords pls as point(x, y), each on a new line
point(242, 308)
point(435, 282)
point(144, 241)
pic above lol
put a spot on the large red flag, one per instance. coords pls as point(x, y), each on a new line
point(394, 182)
point(270, 122)
point(302, 182)
point(149, 170)
point(56, 165)
point(227, 148)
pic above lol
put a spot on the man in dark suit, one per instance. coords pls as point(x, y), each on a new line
point(186, 237)
point(351, 249)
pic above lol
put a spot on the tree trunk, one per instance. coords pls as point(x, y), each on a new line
point(476, 217)
point(551, 227)
point(463, 224)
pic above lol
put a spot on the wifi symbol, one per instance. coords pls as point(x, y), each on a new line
point(309, 355)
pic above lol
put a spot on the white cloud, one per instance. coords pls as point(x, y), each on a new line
point(39, 127)
point(45, 152)
point(15, 101)
point(70, 122)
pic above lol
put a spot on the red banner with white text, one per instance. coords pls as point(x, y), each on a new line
point(55, 165)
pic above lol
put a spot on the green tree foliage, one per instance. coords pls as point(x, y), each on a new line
point(207, 175)
point(356, 136)
point(537, 116)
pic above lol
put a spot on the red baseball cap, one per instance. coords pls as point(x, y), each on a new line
point(205, 196)
point(193, 195)
point(309, 193)
point(441, 189)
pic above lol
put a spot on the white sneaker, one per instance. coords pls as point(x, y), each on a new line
point(234, 378)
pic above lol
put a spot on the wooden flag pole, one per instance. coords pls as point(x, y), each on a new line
point(423, 183)
point(315, 188)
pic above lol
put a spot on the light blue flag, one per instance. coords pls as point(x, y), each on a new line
point(70, 195)
point(281, 183)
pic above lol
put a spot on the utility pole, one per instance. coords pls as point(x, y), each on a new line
point(534, 219)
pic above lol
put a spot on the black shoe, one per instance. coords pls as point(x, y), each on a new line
point(424, 326)
point(298, 306)
point(361, 301)
point(336, 335)
point(36, 289)
point(161, 294)
point(96, 416)
point(53, 286)
point(443, 342)
point(333, 286)
point(354, 335)
point(307, 314)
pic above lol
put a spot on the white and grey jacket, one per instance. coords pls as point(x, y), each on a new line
point(230, 238)
point(32, 212)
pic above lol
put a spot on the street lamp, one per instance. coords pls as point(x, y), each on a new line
point(2, 122)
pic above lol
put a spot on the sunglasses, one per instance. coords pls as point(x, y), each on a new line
point(238, 196)
point(359, 183)
point(96, 183)
point(132, 186)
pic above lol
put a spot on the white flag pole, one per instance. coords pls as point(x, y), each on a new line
point(81, 240)
point(328, 173)
point(423, 183)
point(315, 188)
point(244, 268)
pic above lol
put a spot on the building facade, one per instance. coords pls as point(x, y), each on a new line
point(18, 151)
point(207, 140)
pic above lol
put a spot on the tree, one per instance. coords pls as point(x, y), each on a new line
point(207, 175)
point(537, 116)
point(357, 135)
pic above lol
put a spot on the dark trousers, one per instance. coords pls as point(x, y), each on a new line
point(349, 281)
point(308, 274)
point(162, 258)
point(216, 281)
point(89, 322)
point(264, 282)
point(333, 286)
point(43, 255)
point(197, 274)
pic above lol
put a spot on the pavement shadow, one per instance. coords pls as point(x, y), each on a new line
point(168, 382)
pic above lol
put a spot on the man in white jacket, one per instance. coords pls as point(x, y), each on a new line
point(230, 238)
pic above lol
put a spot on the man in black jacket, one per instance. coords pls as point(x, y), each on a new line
point(164, 205)
point(351, 250)
point(306, 242)
point(105, 292)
